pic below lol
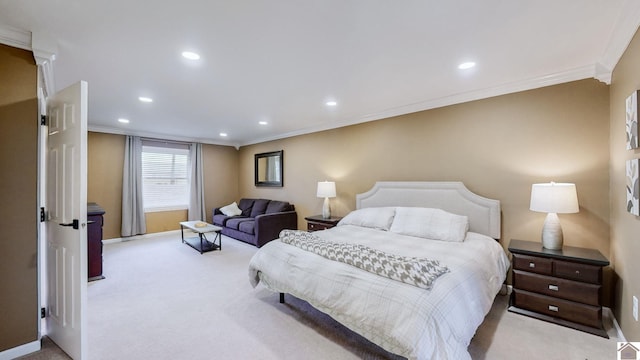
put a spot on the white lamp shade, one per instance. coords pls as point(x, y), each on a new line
point(326, 189)
point(559, 198)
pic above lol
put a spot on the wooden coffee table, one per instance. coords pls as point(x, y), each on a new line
point(201, 243)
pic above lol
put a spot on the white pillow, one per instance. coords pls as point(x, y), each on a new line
point(231, 209)
point(375, 217)
point(430, 223)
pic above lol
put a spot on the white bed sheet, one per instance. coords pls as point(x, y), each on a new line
point(401, 318)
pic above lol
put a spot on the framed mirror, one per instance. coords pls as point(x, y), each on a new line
point(269, 169)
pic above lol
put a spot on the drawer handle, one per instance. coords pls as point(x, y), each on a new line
point(532, 265)
point(554, 287)
point(578, 272)
point(553, 308)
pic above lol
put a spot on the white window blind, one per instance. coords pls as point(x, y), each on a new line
point(165, 176)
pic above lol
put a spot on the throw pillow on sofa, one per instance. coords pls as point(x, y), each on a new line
point(246, 205)
point(259, 207)
point(231, 209)
point(276, 206)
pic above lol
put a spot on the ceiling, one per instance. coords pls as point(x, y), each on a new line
point(280, 61)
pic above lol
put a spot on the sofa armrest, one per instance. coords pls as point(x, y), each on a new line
point(216, 211)
point(268, 226)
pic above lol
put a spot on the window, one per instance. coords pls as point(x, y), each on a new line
point(165, 176)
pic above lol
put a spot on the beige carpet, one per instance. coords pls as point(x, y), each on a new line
point(163, 300)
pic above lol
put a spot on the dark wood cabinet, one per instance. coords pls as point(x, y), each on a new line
point(560, 286)
point(317, 222)
point(95, 220)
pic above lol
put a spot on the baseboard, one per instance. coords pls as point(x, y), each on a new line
point(607, 313)
point(139, 237)
point(21, 350)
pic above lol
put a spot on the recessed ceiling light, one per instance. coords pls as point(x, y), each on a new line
point(466, 65)
point(263, 123)
point(223, 134)
point(124, 121)
point(190, 55)
point(331, 103)
point(145, 99)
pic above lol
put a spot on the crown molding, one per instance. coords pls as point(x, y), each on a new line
point(602, 73)
point(584, 72)
point(44, 52)
point(621, 35)
point(26, 40)
point(149, 134)
point(15, 37)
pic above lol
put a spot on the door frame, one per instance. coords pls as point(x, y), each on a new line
point(44, 61)
point(44, 57)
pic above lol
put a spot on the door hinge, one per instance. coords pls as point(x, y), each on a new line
point(42, 215)
point(43, 313)
point(43, 119)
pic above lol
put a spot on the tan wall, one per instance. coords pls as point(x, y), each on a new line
point(106, 161)
point(625, 228)
point(159, 221)
point(105, 157)
point(498, 147)
point(220, 176)
point(18, 191)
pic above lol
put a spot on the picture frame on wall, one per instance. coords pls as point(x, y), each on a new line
point(633, 187)
point(632, 121)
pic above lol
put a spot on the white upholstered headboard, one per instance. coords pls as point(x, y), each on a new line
point(454, 197)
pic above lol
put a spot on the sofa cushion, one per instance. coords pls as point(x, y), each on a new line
point(219, 219)
point(276, 206)
point(247, 227)
point(234, 222)
point(245, 205)
point(259, 207)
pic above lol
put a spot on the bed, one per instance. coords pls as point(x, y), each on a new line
point(440, 225)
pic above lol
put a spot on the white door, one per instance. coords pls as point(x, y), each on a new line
point(66, 205)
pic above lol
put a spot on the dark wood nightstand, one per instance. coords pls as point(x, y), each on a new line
point(95, 221)
point(317, 222)
point(560, 286)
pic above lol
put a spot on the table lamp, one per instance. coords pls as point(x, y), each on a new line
point(326, 190)
point(553, 199)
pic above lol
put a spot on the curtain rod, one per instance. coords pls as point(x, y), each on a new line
point(164, 141)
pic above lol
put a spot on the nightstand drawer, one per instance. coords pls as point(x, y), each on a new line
point(311, 226)
point(564, 309)
point(561, 288)
point(532, 264)
point(575, 271)
point(317, 222)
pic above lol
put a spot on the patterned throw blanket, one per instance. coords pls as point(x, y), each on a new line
point(420, 272)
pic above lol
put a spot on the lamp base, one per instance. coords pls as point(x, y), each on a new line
point(326, 211)
point(552, 237)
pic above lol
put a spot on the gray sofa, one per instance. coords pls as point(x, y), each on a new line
point(260, 222)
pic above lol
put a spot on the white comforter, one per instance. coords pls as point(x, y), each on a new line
point(401, 318)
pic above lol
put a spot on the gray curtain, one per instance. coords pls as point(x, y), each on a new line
point(197, 210)
point(272, 168)
point(133, 220)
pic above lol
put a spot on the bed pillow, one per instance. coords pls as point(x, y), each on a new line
point(231, 209)
point(375, 217)
point(430, 223)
